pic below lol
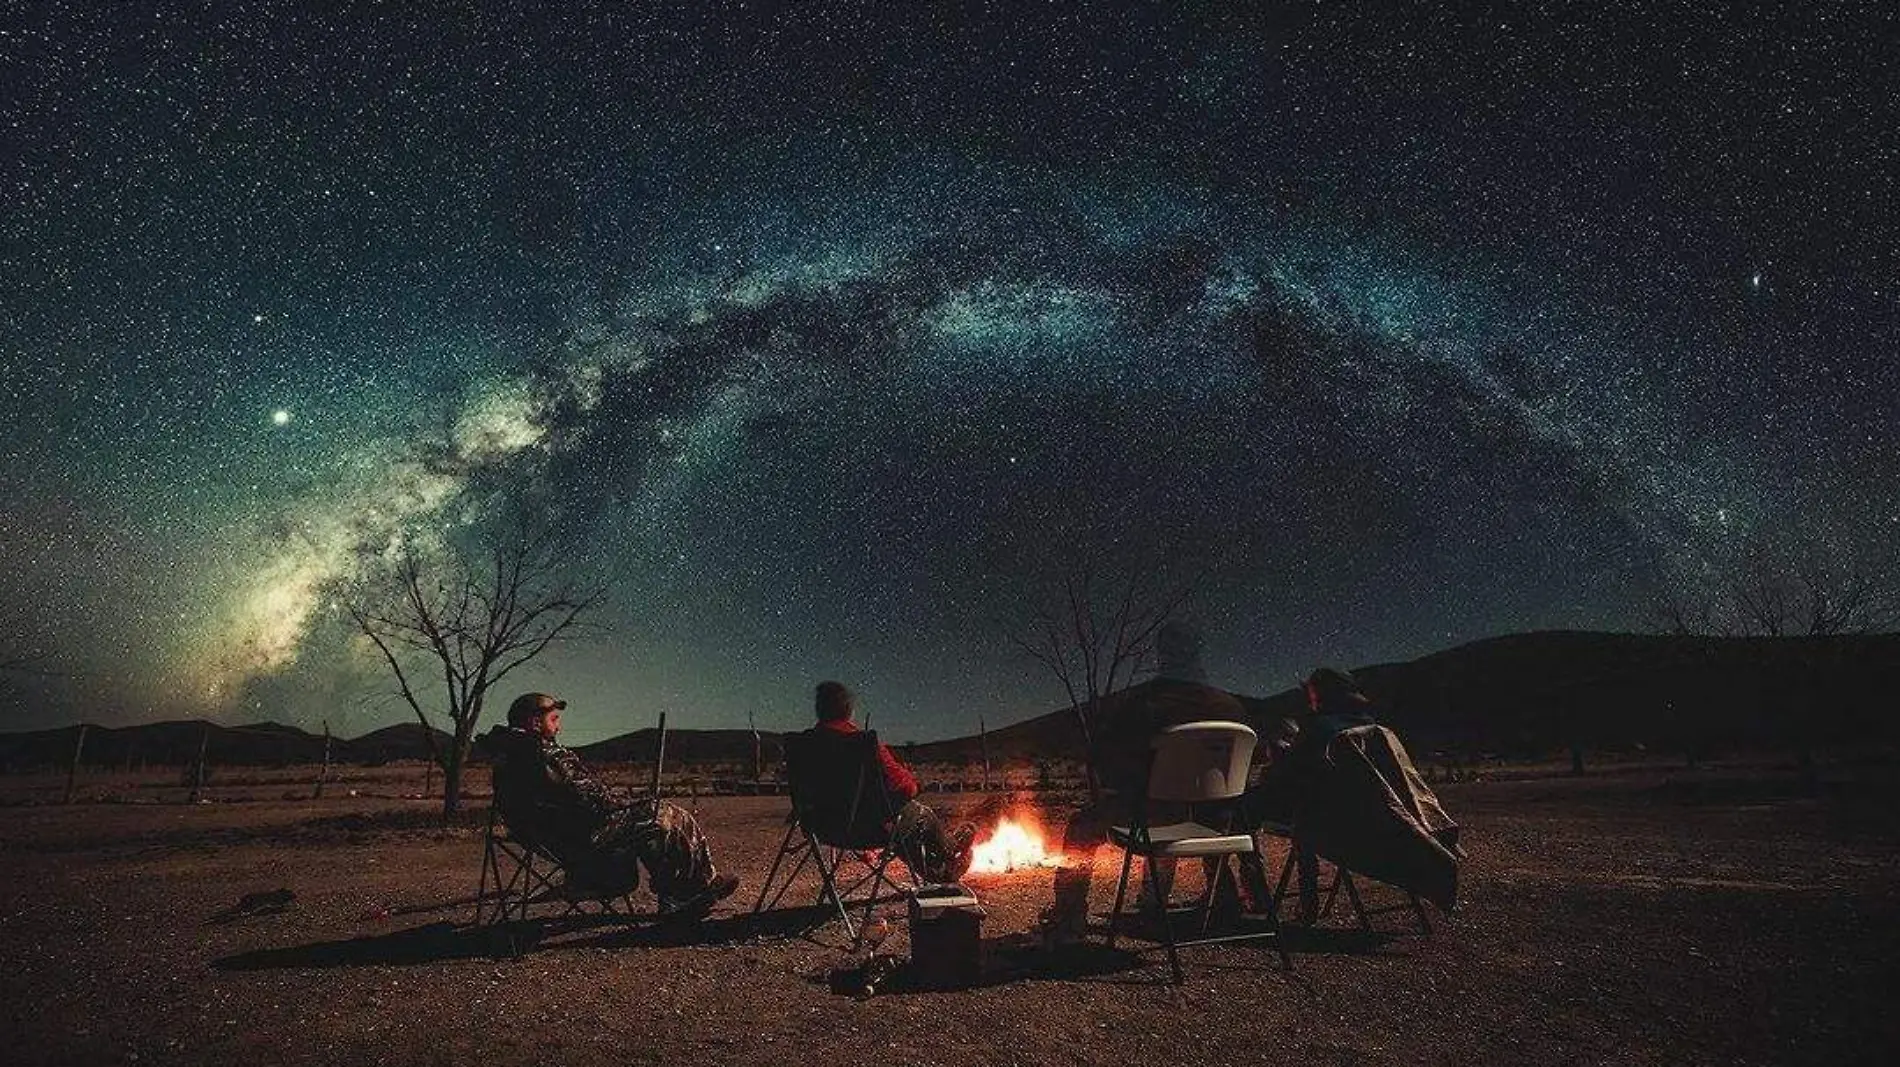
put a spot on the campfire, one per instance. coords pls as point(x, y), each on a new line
point(1016, 842)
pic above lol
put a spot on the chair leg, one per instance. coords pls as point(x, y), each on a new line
point(785, 884)
point(784, 846)
point(1344, 877)
point(827, 874)
point(527, 884)
point(1167, 927)
point(488, 865)
point(1121, 895)
point(1286, 879)
point(1208, 894)
point(878, 878)
point(1279, 938)
point(1332, 892)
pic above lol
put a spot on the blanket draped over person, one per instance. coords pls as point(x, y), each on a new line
point(1367, 807)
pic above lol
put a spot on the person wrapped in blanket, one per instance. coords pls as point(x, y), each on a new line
point(1346, 789)
point(602, 834)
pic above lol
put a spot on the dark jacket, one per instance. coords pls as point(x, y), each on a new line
point(1122, 744)
point(546, 793)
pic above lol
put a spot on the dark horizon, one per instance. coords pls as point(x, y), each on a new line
point(1547, 690)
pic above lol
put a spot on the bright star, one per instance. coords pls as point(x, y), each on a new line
point(280, 417)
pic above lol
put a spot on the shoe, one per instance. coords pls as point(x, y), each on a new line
point(962, 853)
point(697, 905)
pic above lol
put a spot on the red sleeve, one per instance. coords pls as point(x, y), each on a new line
point(898, 781)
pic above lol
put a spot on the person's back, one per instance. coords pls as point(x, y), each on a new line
point(914, 829)
point(839, 786)
point(1335, 704)
point(1123, 743)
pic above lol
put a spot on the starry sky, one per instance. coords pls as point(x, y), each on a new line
point(828, 338)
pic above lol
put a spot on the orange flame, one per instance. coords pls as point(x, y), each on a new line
point(1014, 844)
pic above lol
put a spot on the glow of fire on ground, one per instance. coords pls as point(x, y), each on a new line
point(1014, 844)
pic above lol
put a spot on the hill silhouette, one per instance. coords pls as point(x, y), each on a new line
point(1537, 693)
point(1523, 694)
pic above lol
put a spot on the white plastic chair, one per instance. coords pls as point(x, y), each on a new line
point(1193, 763)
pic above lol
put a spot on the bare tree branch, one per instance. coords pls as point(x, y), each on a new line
point(474, 621)
point(1094, 643)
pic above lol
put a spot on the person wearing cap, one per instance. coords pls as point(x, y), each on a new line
point(602, 833)
point(917, 830)
point(1178, 694)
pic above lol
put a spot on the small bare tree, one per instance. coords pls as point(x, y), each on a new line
point(18, 663)
point(1805, 594)
point(1093, 639)
point(473, 619)
point(1771, 597)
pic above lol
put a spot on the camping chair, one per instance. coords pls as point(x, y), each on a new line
point(1285, 889)
point(519, 873)
point(840, 814)
point(1193, 763)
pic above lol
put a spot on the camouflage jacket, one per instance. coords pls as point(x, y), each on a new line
point(547, 793)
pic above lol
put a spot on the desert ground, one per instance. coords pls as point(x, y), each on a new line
point(1725, 914)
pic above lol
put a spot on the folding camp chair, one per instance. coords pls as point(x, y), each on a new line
point(840, 817)
point(1285, 889)
point(518, 874)
point(1193, 763)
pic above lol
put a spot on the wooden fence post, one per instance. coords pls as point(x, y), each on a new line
point(323, 772)
point(659, 757)
point(198, 769)
point(758, 752)
point(72, 773)
point(983, 741)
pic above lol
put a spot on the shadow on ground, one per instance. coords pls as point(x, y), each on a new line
point(1023, 958)
point(439, 941)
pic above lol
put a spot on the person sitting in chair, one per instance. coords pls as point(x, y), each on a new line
point(917, 830)
point(1178, 694)
point(1364, 791)
point(601, 833)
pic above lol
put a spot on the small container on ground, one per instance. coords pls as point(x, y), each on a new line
point(946, 937)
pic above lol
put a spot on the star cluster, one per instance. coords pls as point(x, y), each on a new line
point(828, 337)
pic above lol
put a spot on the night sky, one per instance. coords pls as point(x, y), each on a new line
point(828, 338)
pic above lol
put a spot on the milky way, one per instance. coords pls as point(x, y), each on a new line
point(827, 340)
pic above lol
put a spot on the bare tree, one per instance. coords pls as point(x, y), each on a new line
point(472, 620)
point(1681, 612)
point(1771, 596)
point(18, 663)
point(1804, 594)
point(1093, 638)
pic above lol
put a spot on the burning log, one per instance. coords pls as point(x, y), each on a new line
point(1016, 842)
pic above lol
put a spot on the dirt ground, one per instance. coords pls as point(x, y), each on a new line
point(1716, 916)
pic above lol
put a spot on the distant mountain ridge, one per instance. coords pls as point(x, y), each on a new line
point(1522, 693)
